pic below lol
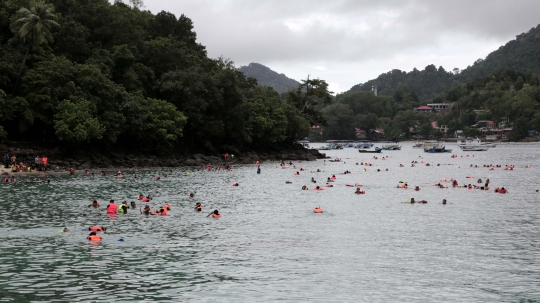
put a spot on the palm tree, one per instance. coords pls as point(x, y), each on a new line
point(36, 24)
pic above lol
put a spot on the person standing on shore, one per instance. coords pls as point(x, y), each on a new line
point(44, 161)
point(37, 163)
point(6, 160)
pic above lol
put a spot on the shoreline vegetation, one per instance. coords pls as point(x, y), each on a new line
point(112, 85)
point(62, 160)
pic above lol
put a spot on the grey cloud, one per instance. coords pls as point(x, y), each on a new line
point(255, 31)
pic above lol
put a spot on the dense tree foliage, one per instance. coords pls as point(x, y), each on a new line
point(521, 54)
point(92, 72)
point(511, 97)
point(508, 96)
point(267, 77)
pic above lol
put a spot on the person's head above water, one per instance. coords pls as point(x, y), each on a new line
point(216, 212)
point(111, 201)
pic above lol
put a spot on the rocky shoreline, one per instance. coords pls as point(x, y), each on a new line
point(84, 159)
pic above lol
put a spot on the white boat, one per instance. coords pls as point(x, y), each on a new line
point(425, 144)
point(475, 142)
point(474, 148)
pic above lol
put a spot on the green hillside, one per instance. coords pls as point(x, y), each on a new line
point(521, 54)
point(267, 77)
point(90, 73)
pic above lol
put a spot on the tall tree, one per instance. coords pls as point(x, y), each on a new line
point(35, 27)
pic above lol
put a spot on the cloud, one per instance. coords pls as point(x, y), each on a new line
point(353, 40)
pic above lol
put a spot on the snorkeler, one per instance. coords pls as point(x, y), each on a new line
point(112, 207)
point(97, 228)
point(147, 210)
point(214, 214)
point(123, 208)
point(93, 237)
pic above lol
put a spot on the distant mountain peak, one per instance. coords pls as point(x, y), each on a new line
point(267, 77)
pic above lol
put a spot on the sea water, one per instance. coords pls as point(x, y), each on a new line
point(269, 245)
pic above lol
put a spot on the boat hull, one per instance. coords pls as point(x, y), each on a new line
point(369, 151)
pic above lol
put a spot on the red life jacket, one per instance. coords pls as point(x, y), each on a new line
point(112, 208)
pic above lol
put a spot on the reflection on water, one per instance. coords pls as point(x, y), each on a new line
point(269, 245)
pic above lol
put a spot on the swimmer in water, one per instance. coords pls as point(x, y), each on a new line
point(93, 236)
point(313, 180)
point(191, 195)
point(305, 187)
point(215, 213)
point(147, 210)
point(412, 201)
point(123, 208)
point(198, 207)
point(65, 230)
point(132, 205)
point(358, 191)
point(443, 201)
point(94, 204)
point(140, 197)
point(97, 228)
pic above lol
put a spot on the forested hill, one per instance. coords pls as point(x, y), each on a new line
point(267, 77)
point(90, 73)
point(521, 54)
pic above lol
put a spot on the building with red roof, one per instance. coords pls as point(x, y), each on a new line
point(423, 109)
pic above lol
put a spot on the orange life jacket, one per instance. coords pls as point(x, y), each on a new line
point(216, 216)
point(112, 208)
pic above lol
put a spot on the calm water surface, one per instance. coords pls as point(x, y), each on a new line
point(270, 246)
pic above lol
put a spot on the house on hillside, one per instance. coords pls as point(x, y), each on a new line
point(490, 130)
point(440, 108)
point(374, 133)
point(423, 109)
point(360, 133)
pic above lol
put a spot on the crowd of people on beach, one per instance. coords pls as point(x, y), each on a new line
point(10, 161)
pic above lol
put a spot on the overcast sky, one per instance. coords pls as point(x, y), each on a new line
point(350, 42)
